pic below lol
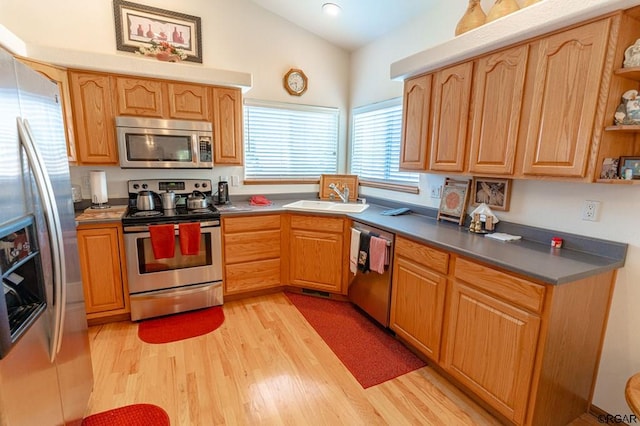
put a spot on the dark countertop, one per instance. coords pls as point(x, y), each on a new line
point(532, 256)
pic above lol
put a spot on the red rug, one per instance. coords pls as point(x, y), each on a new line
point(172, 328)
point(371, 355)
point(130, 415)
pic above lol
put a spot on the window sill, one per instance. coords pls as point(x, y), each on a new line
point(284, 181)
point(390, 186)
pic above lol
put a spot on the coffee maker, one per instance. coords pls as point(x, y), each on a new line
point(223, 193)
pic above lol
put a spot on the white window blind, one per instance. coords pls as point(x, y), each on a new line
point(288, 141)
point(376, 135)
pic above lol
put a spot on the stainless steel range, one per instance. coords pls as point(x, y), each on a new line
point(174, 281)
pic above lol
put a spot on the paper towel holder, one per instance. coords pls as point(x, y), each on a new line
point(98, 182)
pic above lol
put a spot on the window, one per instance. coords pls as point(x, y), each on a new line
point(288, 141)
point(375, 152)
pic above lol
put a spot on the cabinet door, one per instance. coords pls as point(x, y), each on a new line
point(417, 305)
point(316, 260)
point(101, 272)
point(227, 126)
point(60, 77)
point(566, 73)
point(415, 118)
point(139, 97)
point(94, 118)
point(451, 102)
point(188, 101)
point(498, 89)
point(490, 348)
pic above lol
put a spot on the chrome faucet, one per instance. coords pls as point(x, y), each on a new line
point(344, 196)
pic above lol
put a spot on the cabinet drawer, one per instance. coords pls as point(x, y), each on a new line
point(317, 223)
point(504, 286)
point(250, 246)
point(250, 223)
point(252, 276)
point(424, 255)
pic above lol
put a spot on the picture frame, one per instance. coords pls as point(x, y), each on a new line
point(494, 192)
point(453, 204)
point(632, 163)
point(610, 168)
point(138, 25)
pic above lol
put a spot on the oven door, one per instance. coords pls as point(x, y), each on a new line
point(146, 273)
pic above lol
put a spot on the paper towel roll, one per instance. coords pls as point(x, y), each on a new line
point(98, 182)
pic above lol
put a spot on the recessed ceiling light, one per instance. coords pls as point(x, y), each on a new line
point(331, 9)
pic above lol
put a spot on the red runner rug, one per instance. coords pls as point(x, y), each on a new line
point(172, 328)
point(130, 415)
point(371, 355)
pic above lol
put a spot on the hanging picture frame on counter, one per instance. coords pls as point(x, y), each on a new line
point(496, 193)
point(139, 26)
point(453, 204)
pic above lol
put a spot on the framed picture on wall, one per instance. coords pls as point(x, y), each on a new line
point(496, 193)
point(144, 26)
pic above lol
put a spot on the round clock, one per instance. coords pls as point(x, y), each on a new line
point(295, 81)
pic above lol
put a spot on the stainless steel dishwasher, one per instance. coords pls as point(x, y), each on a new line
point(371, 291)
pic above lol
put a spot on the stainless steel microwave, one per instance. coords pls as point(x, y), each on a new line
point(160, 144)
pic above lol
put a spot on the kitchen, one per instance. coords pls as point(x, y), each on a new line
point(345, 80)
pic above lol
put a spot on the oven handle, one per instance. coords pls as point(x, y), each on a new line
point(145, 228)
point(199, 288)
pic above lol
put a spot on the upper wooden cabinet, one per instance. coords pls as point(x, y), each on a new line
point(188, 101)
point(93, 113)
point(60, 77)
point(451, 99)
point(565, 72)
point(415, 116)
point(140, 97)
point(227, 126)
point(97, 98)
point(537, 109)
point(497, 96)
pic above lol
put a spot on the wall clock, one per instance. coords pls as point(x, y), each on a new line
point(295, 81)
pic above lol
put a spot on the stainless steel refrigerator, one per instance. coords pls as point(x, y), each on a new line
point(45, 367)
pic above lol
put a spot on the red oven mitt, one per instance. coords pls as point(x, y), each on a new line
point(189, 238)
point(163, 241)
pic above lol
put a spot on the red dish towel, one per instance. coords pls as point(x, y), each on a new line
point(190, 238)
point(163, 241)
point(259, 200)
point(377, 254)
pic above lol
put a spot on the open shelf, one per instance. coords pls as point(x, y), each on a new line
point(632, 73)
point(628, 128)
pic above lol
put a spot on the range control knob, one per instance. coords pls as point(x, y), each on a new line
point(204, 184)
point(145, 186)
point(197, 185)
point(136, 186)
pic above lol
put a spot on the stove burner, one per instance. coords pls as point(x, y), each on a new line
point(147, 213)
point(195, 211)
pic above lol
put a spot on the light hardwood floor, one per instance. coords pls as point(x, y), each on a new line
point(264, 365)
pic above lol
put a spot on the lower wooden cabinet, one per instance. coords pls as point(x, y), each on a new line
point(252, 250)
point(104, 279)
point(491, 348)
point(317, 253)
point(418, 296)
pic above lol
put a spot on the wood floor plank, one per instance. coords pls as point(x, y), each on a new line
point(264, 365)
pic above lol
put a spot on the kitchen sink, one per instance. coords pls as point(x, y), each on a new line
point(326, 206)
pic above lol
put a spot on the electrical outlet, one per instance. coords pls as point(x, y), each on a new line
point(235, 180)
point(436, 191)
point(590, 210)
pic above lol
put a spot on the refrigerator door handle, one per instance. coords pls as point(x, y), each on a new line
point(52, 218)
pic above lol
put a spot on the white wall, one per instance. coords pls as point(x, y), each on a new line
point(237, 35)
point(551, 205)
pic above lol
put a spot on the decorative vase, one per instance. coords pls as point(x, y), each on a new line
point(472, 18)
point(502, 8)
point(167, 57)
